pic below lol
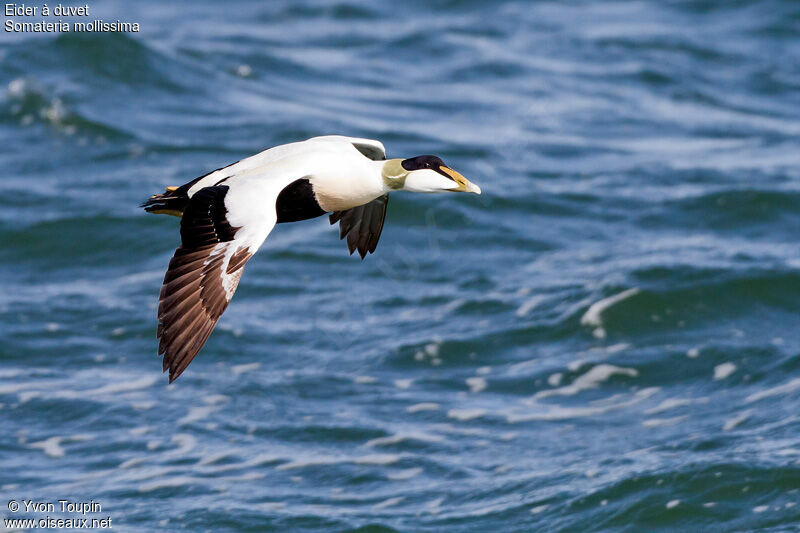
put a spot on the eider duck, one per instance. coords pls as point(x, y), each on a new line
point(227, 214)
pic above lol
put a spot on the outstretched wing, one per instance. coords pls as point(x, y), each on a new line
point(201, 279)
point(362, 225)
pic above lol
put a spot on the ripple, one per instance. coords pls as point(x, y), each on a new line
point(541, 357)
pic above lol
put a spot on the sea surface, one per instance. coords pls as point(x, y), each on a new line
point(607, 339)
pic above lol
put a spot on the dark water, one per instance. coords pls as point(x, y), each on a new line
point(606, 339)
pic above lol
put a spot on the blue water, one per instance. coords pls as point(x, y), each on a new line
point(606, 339)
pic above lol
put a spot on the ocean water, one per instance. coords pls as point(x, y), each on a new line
point(605, 340)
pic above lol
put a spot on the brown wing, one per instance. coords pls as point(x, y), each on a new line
point(362, 225)
point(200, 281)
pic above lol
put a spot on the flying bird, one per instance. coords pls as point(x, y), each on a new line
point(227, 214)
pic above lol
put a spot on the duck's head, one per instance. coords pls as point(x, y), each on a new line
point(425, 173)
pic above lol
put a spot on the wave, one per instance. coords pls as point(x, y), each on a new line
point(714, 493)
point(729, 210)
point(26, 103)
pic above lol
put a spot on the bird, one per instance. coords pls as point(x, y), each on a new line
point(227, 214)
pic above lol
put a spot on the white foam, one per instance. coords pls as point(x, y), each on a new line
point(270, 506)
point(51, 446)
point(447, 427)
point(376, 459)
point(424, 406)
point(616, 348)
point(554, 380)
point(589, 380)
point(660, 422)
point(693, 353)
point(388, 503)
point(555, 412)
point(185, 442)
point(327, 460)
point(135, 461)
point(402, 475)
point(673, 503)
point(199, 412)
point(140, 430)
point(365, 380)
point(463, 415)
point(247, 476)
point(529, 305)
point(724, 370)
point(429, 350)
point(574, 366)
point(516, 368)
point(11, 389)
point(403, 383)
point(27, 396)
point(476, 384)
point(242, 369)
point(761, 508)
point(402, 437)
point(16, 88)
point(788, 451)
point(434, 506)
point(178, 481)
point(787, 387)
point(125, 386)
point(672, 403)
point(594, 315)
point(215, 399)
point(539, 509)
point(211, 459)
point(736, 421)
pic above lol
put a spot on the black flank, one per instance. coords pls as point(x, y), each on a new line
point(297, 201)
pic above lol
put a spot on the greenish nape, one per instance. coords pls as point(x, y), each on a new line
point(393, 173)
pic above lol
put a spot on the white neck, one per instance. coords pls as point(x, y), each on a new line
point(348, 186)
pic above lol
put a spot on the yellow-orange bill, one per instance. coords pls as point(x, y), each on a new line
point(464, 185)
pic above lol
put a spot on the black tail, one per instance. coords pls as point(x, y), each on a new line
point(172, 202)
point(174, 199)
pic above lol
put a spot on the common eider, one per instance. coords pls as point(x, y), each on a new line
point(227, 214)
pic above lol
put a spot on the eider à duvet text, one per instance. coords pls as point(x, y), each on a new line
point(227, 214)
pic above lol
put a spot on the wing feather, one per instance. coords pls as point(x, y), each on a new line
point(201, 279)
point(362, 225)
